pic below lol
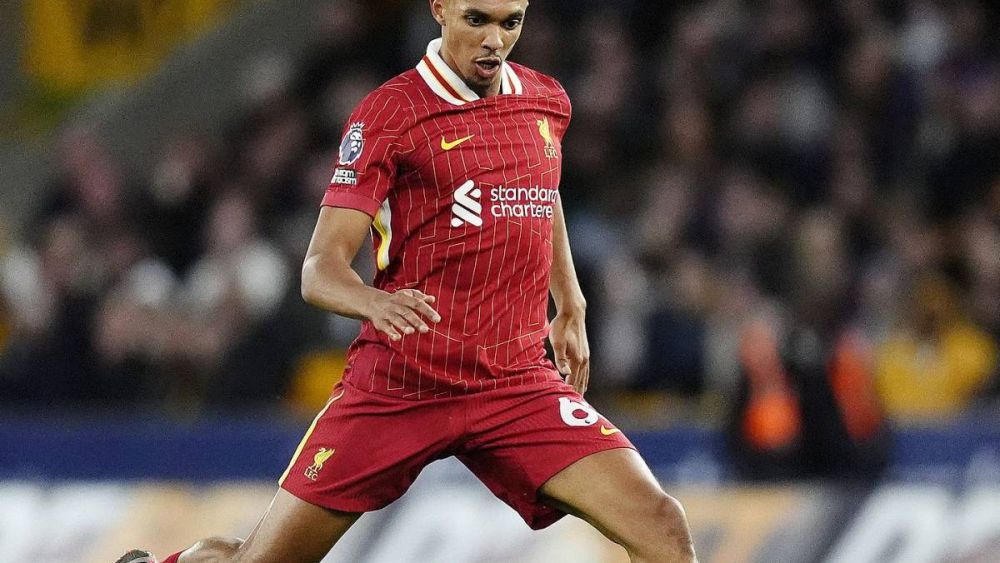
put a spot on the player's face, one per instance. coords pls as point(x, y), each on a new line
point(477, 36)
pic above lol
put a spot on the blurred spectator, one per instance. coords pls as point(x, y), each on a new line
point(89, 184)
point(54, 292)
point(676, 329)
point(979, 252)
point(233, 292)
point(808, 404)
point(936, 362)
point(179, 190)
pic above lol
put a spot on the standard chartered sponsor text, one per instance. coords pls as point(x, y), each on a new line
point(522, 202)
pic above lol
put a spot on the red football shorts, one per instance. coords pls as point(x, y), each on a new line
point(364, 450)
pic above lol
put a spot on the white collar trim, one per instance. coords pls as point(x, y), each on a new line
point(448, 85)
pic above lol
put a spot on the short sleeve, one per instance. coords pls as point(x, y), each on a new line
point(566, 111)
point(367, 158)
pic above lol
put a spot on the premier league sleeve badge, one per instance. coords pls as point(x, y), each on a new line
point(352, 145)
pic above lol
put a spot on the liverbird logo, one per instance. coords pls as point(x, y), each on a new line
point(543, 130)
point(312, 472)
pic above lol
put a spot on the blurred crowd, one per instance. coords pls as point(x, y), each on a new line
point(771, 203)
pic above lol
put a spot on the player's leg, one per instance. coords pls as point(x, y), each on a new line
point(291, 531)
point(615, 492)
point(361, 453)
point(546, 452)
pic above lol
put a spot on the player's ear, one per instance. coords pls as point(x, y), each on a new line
point(437, 10)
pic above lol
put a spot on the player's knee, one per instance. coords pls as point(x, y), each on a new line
point(669, 513)
point(663, 534)
point(212, 550)
point(671, 520)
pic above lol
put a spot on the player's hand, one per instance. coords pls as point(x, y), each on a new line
point(403, 312)
point(568, 336)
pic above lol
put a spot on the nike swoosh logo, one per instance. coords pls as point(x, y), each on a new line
point(608, 431)
point(448, 146)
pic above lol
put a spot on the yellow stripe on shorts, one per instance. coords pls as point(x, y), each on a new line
point(302, 443)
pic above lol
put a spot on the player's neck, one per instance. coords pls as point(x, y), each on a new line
point(491, 90)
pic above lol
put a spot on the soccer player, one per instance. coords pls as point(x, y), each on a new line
point(454, 166)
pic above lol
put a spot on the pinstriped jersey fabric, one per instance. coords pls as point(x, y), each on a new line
point(461, 192)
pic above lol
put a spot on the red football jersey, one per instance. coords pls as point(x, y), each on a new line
point(461, 190)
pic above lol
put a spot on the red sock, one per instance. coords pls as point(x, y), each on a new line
point(172, 559)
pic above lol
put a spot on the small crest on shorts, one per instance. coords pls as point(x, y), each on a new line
point(312, 472)
point(352, 145)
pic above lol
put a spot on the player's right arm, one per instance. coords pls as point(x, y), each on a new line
point(329, 282)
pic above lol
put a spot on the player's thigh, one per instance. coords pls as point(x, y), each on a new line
point(614, 491)
point(294, 531)
point(520, 437)
point(363, 451)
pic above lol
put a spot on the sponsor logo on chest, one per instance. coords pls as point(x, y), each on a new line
point(504, 202)
point(467, 209)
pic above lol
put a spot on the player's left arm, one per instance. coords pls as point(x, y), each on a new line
point(568, 333)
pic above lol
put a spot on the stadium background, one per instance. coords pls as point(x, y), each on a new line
point(786, 216)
